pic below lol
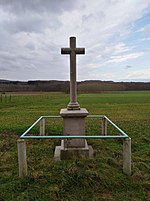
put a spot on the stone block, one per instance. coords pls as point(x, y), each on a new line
point(74, 124)
point(62, 153)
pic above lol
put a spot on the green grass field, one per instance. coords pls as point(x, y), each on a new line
point(95, 179)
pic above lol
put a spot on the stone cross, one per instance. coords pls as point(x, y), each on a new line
point(73, 105)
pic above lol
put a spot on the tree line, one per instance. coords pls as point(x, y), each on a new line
point(89, 86)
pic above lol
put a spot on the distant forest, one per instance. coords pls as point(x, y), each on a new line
point(89, 86)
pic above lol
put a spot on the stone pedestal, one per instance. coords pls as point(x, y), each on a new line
point(74, 124)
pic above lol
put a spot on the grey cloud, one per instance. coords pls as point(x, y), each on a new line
point(8, 65)
point(38, 6)
point(24, 25)
point(87, 19)
point(33, 15)
point(30, 46)
point(6, 41)
point(30, 23)
point(4, 69)
point(12, 60)
point(128, 66)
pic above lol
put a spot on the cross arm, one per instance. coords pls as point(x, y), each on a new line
point(65, 50)
point(80, 50)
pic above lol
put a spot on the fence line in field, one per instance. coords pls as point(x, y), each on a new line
point(5, 98)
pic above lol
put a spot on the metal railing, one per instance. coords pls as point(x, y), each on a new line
point(22, 159)
point(103, 136)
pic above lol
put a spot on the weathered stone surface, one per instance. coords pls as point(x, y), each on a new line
point(62, 153)
point(73, 105)
point(74, 124)
point(73, 115)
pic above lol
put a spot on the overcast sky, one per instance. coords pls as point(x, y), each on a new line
point(115, 34)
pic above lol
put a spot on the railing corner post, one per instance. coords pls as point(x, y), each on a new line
point(42, 127)
point(104, 126)
point(127, 156)
point(22, 158)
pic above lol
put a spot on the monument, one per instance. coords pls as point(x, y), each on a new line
point(73, 115)
point(75, 146)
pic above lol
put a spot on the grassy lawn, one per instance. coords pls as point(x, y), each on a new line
point(95, 179)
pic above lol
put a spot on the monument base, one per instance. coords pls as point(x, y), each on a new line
point(74, 124)
point(62, 153)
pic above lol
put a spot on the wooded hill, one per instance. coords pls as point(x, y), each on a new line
point(90, 86)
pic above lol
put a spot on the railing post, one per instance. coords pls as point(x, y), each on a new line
point(22, 158)
point(42, 126)
point(104, 126)
point(127, 156)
